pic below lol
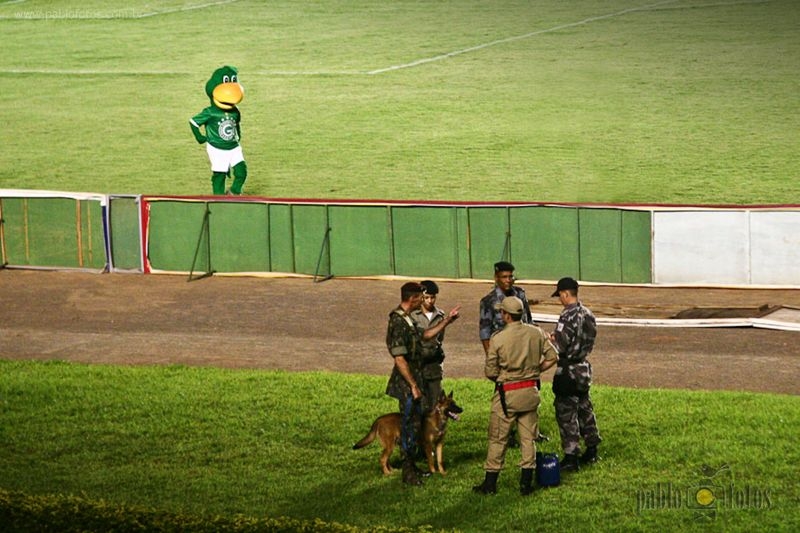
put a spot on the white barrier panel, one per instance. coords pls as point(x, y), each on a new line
point(775, 247)
point(701, 247)
point(785, 320)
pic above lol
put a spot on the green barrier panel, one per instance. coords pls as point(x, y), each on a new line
point(426, 241)
point(239, 234)
point(464, 259)
point(309, 223)
point(360, 240)
point(92, 250)
point(545, 242)
point(488, 228)
point(600, 244)
point(636, 251)
point(175, 229)
point(126, 249)
point(281, 242)
point(14, 232)
point(53, 233)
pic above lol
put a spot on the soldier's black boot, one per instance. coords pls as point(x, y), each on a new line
point(526, 481)
point(410, 473)
point(489, 485)
point(422, 472)
point(590, 455)
point(570, 463)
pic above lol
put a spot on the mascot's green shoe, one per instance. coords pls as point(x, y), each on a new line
point(220, 123)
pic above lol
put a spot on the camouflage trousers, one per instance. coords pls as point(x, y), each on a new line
point(430, 394)
point(411, 424)
point(575, 417)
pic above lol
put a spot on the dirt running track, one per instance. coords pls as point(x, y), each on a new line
point(296, 324)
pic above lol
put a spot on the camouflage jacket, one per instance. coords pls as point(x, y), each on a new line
point(574, 339)
point(432, 351)
point(491, 320)
point(574, 334)
point(404, 338)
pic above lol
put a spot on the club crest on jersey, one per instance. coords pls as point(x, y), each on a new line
point(227, 129)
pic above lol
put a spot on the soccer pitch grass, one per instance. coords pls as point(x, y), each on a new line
point(588, 101)
point(206, 441)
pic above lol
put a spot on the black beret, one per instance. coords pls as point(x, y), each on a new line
point(429, 287)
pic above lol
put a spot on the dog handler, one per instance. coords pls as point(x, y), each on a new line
point(404, 338)
point(516, 357)
point(432, 353)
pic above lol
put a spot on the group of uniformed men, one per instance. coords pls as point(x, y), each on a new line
point(517, 353)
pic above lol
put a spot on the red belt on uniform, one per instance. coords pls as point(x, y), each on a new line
point(519, 385)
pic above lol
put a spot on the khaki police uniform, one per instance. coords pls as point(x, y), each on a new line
point(514, 361)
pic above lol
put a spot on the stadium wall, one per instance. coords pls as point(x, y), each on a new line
point(633, 244)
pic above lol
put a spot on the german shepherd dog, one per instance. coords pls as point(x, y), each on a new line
point(430, 439)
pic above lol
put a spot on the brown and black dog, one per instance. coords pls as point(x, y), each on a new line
point(430, 439)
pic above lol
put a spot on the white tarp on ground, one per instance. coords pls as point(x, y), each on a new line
point(726, 247)
point(784, 318)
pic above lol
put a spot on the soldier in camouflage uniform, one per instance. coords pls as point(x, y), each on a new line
point(574, 339)
point(426, 316)
point(404, 338)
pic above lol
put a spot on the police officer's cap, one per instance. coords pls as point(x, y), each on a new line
point(565, 284)
point(503, 266)
point(429, 287)
point(511, 305)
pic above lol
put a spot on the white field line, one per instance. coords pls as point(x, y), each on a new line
point(517, 38)
point(110, 72)
point(77, 14)
point(296, 73)
point(94, 72)
point(651, 7)
point(187, 8)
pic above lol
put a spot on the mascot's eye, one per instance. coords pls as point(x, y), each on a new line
point(225, 79)
point(233, 78)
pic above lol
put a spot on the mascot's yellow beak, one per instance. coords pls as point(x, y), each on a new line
point(227, 95)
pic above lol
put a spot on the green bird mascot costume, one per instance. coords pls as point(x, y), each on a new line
point(222, 131)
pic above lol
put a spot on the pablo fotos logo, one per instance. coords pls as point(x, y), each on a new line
point(713, 492)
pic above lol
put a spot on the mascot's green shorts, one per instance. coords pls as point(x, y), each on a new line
point(222, 130)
